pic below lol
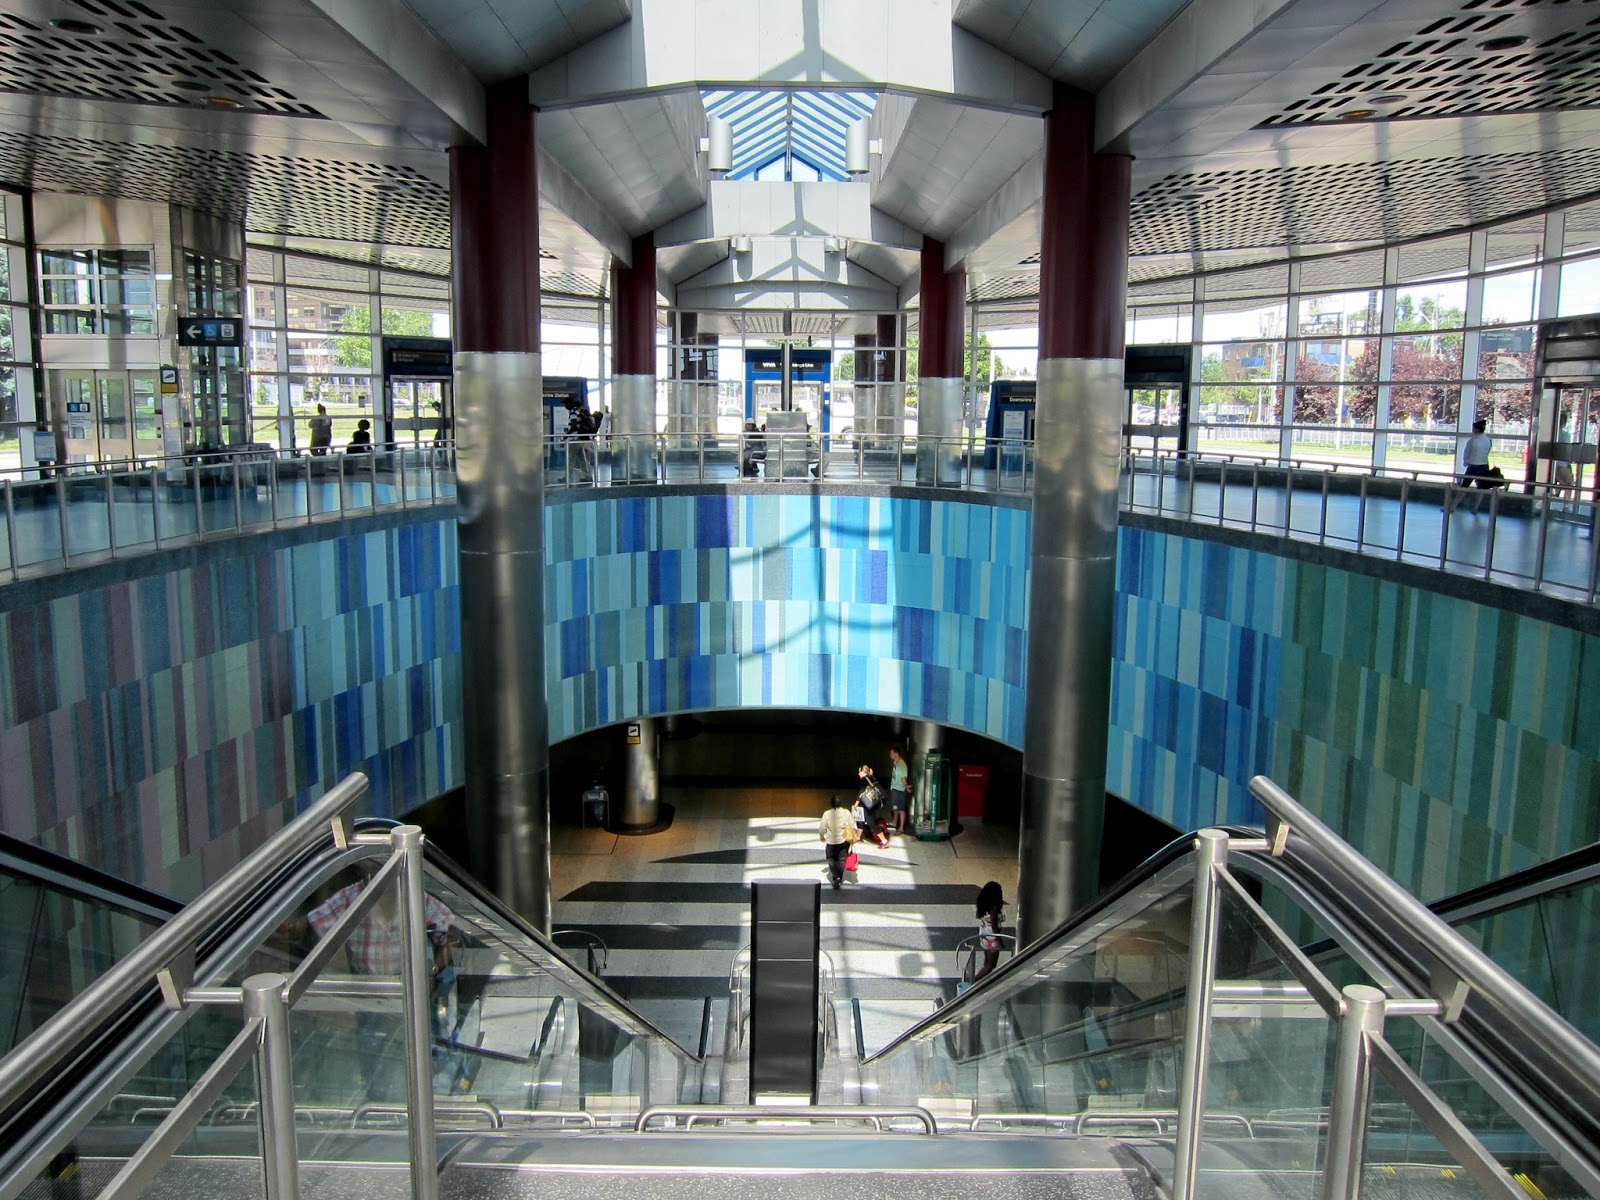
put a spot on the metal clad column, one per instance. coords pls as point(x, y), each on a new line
point(939, 383)
point(633, 362)
point(641, 791)
point(494, 203)
point(1082, 289)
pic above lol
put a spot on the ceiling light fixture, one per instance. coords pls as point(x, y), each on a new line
point(1357, 114)
point(1510, 42)
point(1389, 98)
point(1191, 196)
point(225, 102)
point(73, 25)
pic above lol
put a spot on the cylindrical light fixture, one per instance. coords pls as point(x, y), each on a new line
point(720, 137)
point(857, 148)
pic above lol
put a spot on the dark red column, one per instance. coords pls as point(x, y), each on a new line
point(633, 363)
point(940, 392)
point(944, 297)
point(494, 228)
point(888, 357)
point(633, 311)
point(1083, 241)
point(494, 211)
point(1083, 255)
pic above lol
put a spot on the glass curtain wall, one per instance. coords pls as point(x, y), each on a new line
point(314, 338)
point(18, 403)
point(1381, 358)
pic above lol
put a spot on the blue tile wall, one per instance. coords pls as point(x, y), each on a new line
point(160, 726)
point(666, 604)
point(1451, 742)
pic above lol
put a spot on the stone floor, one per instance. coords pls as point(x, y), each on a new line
point(674, 907)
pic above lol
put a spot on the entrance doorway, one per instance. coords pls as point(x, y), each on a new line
point(1155, 417)
point(422, 412)
point(1569, 444)
point(1150, 423)
point(109, 416)
point(789, 379)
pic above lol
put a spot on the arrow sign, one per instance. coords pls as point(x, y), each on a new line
point(211, 331)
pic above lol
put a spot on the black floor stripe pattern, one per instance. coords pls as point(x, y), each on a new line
point(877, 961)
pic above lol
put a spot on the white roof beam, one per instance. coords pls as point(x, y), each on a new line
point(810, 210)
point(900, 45)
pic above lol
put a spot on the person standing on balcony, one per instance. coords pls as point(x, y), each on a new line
point(321, 431)
point(1475, 470)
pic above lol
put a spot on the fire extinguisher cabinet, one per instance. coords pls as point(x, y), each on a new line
point(972, 791)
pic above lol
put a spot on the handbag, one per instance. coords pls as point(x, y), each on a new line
point(851, 861)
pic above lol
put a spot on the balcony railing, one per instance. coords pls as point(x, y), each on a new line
point(1532, 536)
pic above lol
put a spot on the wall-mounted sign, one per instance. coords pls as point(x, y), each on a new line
point(633, 735)
point(77, 406)
point(169, 381)
point(211, 331)
point(418, 357)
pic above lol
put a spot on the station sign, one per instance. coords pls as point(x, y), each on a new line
point(211, 331)
point(169, 381)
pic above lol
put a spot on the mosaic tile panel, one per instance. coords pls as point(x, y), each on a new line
point(159, 727)
point(666, 604)
point(1451, 742)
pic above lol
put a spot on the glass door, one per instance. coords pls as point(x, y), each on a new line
point(116, 430)
point(73, 401)
point(1151, 422)
point(421, 411)
point(143, 390)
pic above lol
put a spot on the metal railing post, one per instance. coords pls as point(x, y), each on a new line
point(416, 983)
point(405, 499)
point(341, 485)
point(61, 515)
point(1255, 494)
point(11, 529)
point(1222, 493)
point(1361, 517)
point(266, 997)
point(1322, 524)
point(155, 505)
point(1400, 531)
point(111, 516)
point(238, 500)
point(1161, 483)
point(1211, 856)
point(199, 511)
point(1544, 537)
point(1494, 525)
point(1351, 1098)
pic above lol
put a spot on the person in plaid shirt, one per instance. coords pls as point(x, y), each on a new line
point(374, 945)
point(375, 948)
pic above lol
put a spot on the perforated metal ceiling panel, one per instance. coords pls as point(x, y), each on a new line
point(125, 50)
point(1488, 56)
point(306, 197)
point(1299, 206)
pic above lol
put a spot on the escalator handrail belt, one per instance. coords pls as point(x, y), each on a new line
point(1472, 967)
point(51, 1043)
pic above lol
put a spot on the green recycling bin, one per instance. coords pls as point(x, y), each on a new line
point(934, 799)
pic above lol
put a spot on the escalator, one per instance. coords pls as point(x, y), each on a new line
point(64, 925)
point(1208, 1028)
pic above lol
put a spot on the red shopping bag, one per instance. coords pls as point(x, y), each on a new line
point(851, 860)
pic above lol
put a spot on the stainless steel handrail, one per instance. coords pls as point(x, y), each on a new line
point(43, 1050)
point(695, 1114)
point(1474, 969)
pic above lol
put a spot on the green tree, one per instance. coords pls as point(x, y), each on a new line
point(984, 353)
point(353, 346)
point(844, 367)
